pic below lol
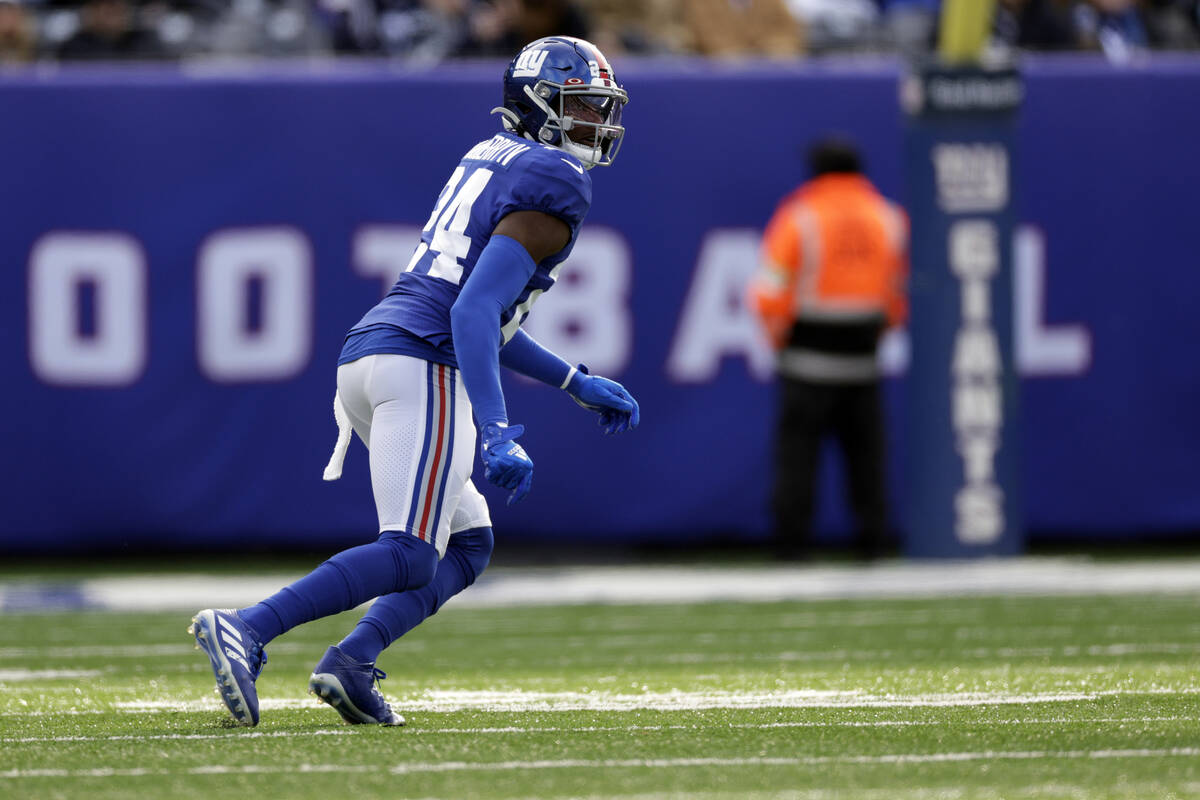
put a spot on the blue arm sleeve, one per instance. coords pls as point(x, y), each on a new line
point(524, 355)
point(503, 269)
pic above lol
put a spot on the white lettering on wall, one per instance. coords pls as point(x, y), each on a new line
point(971, 177)
point(236, 268)
point(976, 371)
point(88, 315)
point(716, 322)
point(586, 318)
point(110, 269)
point(1041, 349)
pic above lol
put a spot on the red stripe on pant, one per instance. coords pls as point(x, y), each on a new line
point(434, 468)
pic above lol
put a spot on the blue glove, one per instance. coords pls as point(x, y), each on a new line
point(505, 463)
point(617, 409)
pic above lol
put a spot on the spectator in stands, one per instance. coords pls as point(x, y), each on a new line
point(541, 18)
point(834, 263)
point(636, 26)
point(351, 26)
point(837, 24)
point(443, 29)
point(1114, 27)
point(424, 30)
point(500, 27)
point(491, 29)
point(434, 30)
point(109, 31)
point(1034, 24)
point(1172, 24)
point(742, 28)
point(910, 25)
point(16, 33)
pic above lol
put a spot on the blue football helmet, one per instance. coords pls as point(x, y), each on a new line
point(561, 91)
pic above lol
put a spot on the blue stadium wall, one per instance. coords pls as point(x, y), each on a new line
point(182, 251)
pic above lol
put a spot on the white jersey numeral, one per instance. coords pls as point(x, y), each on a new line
point(448, 223)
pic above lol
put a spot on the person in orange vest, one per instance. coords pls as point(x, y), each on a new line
point(832, 279)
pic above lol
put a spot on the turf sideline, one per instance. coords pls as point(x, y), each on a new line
point(659, 584)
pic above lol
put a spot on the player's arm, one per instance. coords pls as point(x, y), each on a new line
point(525, 355)
point(617, 409)
point(504, 267)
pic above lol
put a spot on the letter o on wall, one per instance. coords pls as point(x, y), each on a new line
point(279, 262)
point(113, 351)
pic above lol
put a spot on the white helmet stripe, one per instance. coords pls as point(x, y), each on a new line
point(600, 59)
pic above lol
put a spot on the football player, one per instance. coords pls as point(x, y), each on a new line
point(419, 364)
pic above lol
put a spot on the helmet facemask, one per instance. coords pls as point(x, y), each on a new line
point(587, 121)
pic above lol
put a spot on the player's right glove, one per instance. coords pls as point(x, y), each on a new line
point(505, 463)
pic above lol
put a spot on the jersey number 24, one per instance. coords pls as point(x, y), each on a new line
point(444, 234)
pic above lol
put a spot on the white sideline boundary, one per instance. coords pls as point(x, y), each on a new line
point(522, 731)
point(895, 759)
point(442, 701)
point(537, 586)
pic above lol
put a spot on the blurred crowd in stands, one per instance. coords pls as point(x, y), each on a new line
point(425, 31)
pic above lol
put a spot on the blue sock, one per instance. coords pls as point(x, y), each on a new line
point(395, 562)
point(393, 615)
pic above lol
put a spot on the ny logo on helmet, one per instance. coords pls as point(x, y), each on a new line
point(529, 63)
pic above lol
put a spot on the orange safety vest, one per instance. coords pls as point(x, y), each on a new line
point(834, 251)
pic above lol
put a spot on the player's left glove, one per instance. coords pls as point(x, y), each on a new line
point(617, 409)
point(505, 463)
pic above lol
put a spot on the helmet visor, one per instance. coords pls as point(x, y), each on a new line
point(602, 109)
point(589, 118)
point(595, 118)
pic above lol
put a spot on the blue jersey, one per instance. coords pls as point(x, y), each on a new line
point(495, 178)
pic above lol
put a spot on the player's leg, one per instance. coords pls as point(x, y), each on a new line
point(422, 498)
point(390, 393)
point(802, 419)
point(861, 435)
point(467, 555)
point(397, 560)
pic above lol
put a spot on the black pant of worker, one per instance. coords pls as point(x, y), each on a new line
point(852, 414)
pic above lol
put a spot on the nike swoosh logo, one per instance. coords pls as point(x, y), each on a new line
point(571, 164)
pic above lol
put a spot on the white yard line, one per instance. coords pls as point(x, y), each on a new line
point(142, 651)
point(128, 650)
point(661, 763)
point(527, 701)
point(519, 701)
point(803, 761)
point(665, 584)
point(180, 736)
point(519, 730)
point(1047, 791)
point(12, 675)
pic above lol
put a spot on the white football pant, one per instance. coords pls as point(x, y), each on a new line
point(415, 418)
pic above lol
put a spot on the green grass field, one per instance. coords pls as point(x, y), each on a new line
point(1003, 697)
